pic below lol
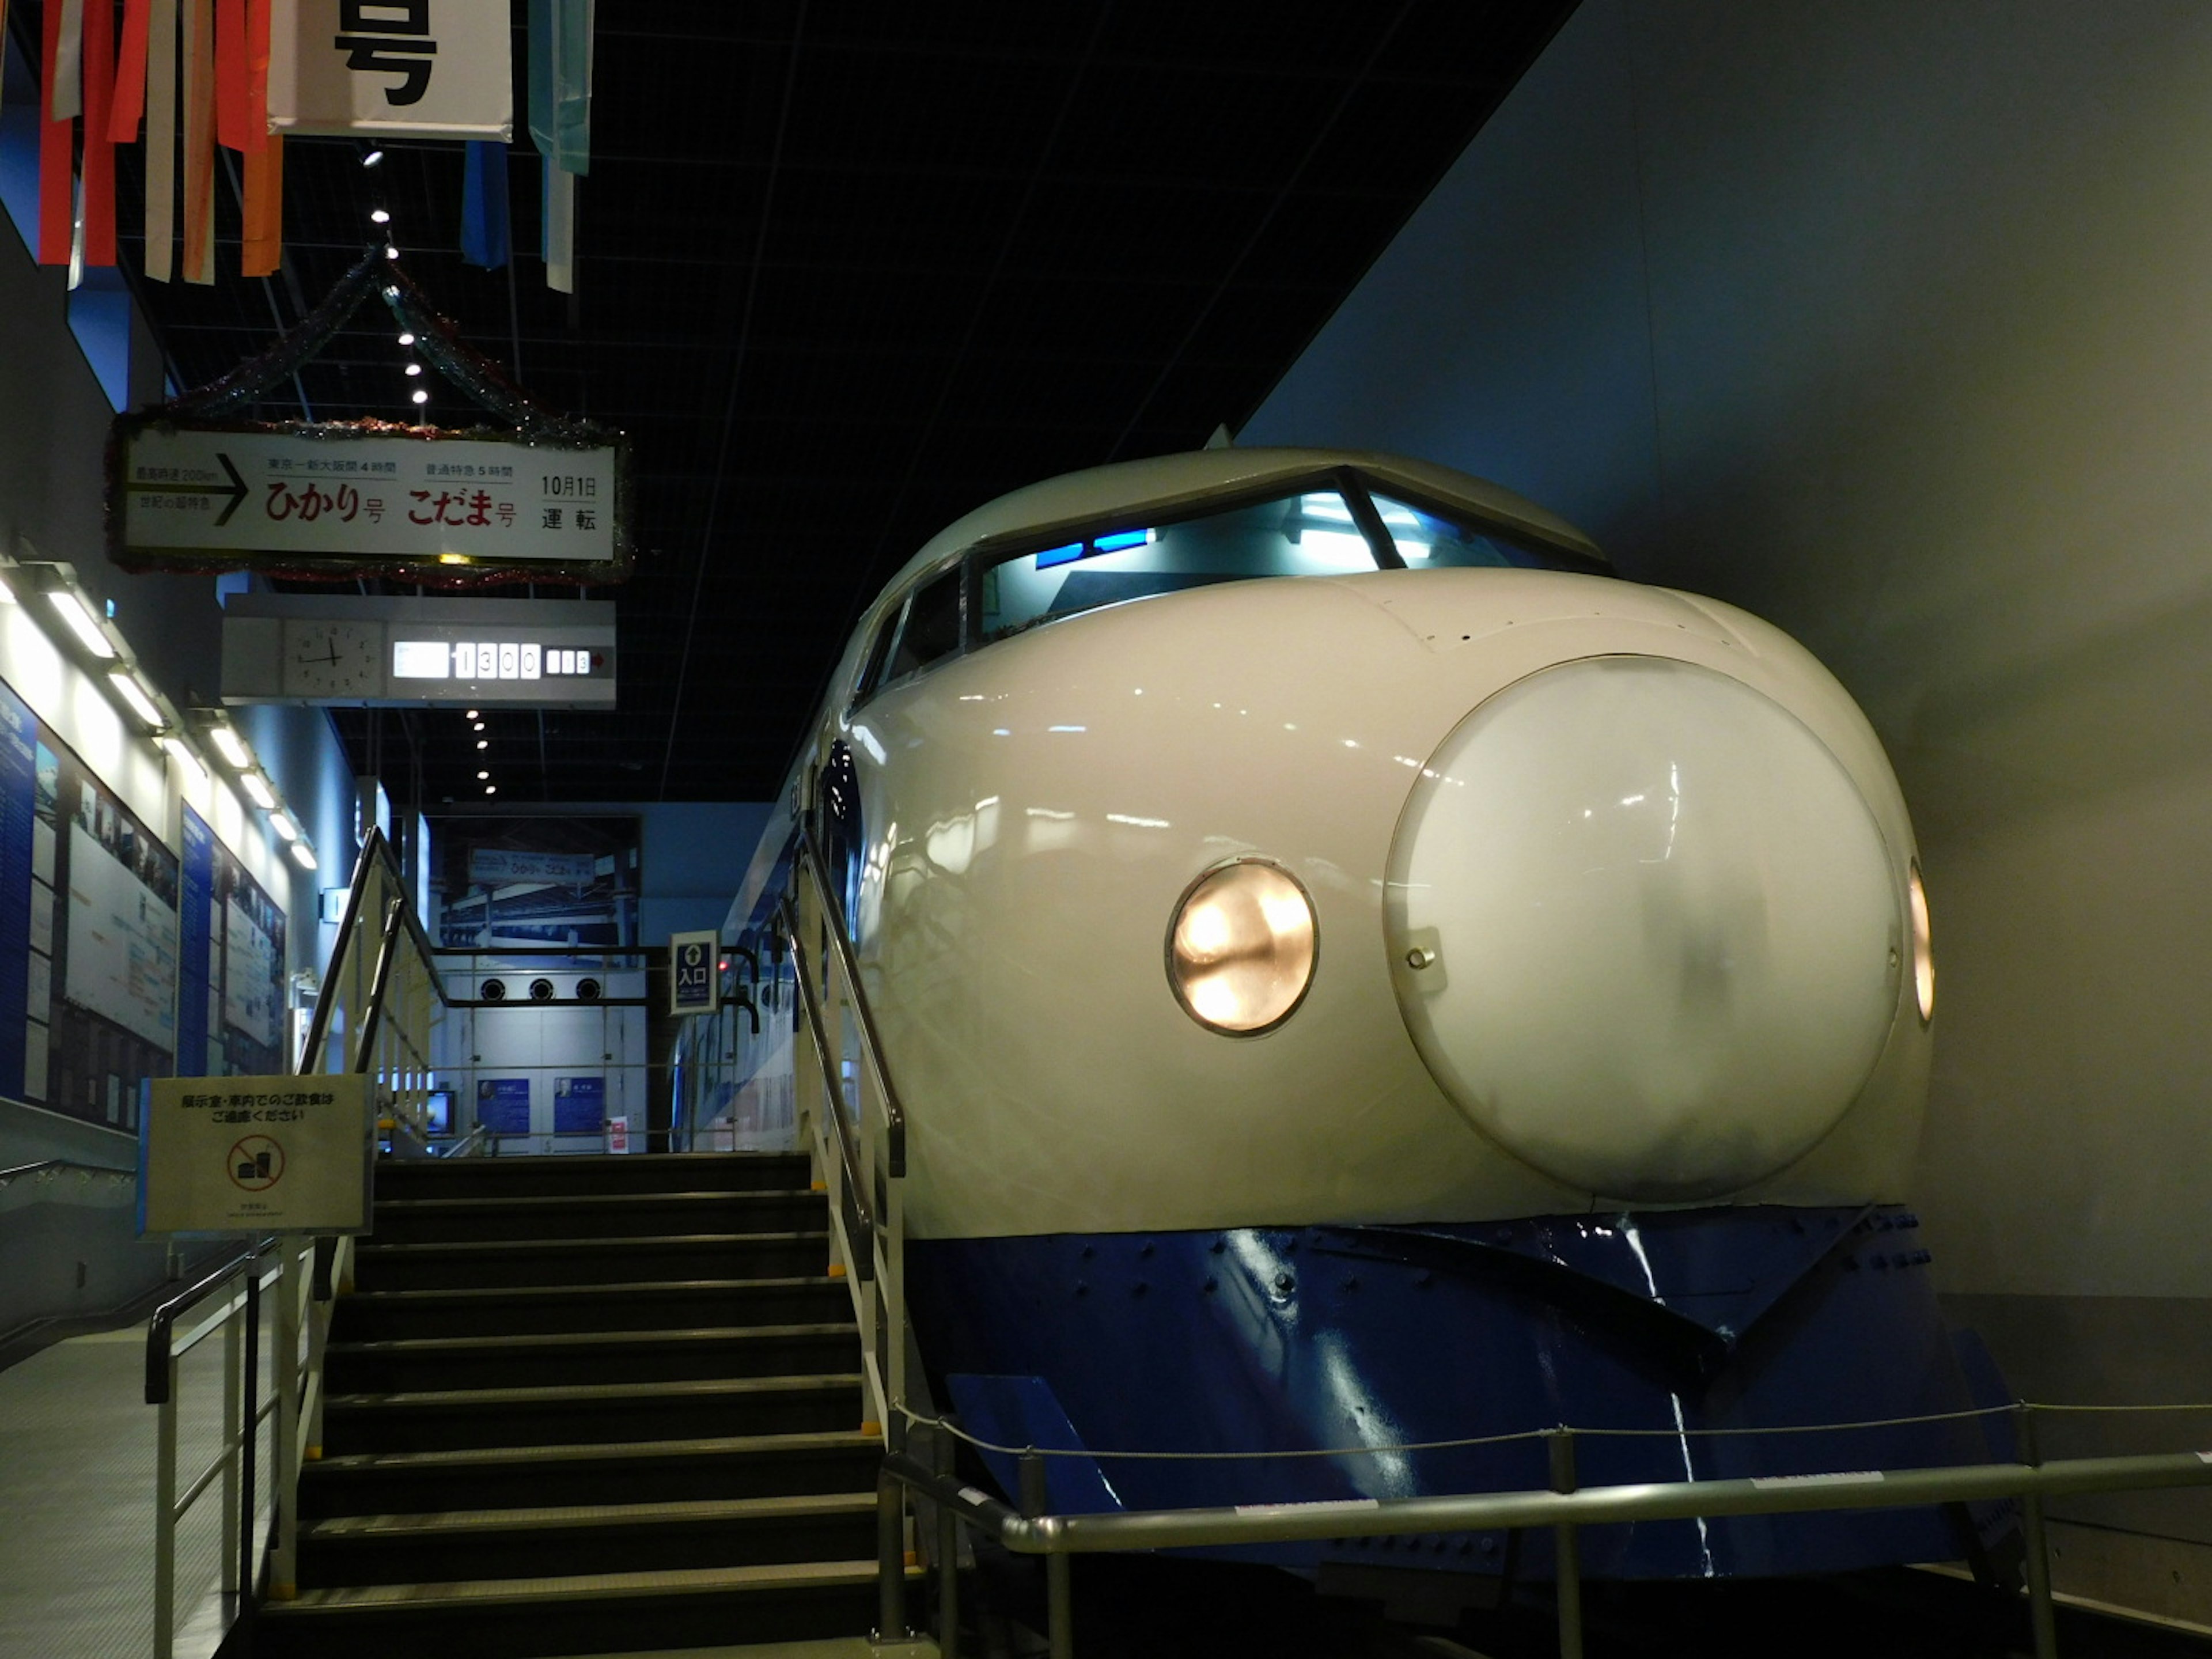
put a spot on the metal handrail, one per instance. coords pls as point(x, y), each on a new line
point(44, 1164)
point(871, 1047)
point(855, 1188)
point(161, 1331)
point(1565, 1508)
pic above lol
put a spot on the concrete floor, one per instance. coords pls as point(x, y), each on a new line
point(76, 1501)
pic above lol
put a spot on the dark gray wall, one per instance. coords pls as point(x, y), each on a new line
point(1887, 320)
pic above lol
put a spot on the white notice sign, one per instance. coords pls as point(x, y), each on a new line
point(431, 68)
point(254, 1155)
point(281, 497)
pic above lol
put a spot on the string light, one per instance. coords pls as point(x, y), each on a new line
point(380, 217)
point(420, 396)
point(407, 339)
point(373, 158)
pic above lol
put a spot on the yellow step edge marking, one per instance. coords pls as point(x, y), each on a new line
point(820, 1187)
point(314, 1455)
point(837, 1270)
point(869, 1426)
point(283, 1592)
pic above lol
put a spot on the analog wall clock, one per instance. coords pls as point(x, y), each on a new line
point(338, 661)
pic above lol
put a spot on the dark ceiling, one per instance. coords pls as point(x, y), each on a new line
point(846, 271)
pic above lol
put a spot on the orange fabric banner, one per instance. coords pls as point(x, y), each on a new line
point(264, 249)
point(57, 141)
point(130, 71)
point(98, 164)
point(199, 141)
point(256, 76)
point(230, 117)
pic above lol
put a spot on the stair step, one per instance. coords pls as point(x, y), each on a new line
point(580, 1613)
point(507, 1263)
point(643, 1471)
point(574, 1414)
point(589, 1215)
point(477, 1362)
point(648, 1304)
point(534, 1543)
point(547, 1177)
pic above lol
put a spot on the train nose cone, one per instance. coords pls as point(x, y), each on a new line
point(1643, 929)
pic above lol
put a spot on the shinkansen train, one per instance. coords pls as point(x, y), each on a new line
point(1365, 980)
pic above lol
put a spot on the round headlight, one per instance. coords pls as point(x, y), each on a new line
point(1924, 950)
point(1241, 946)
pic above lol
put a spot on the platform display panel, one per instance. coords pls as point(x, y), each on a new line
point(89, 933)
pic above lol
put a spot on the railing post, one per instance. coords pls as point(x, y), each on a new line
point(890, 1559)
point(948, 1554)
point(233, 1391)
point(164, 1520)
point(2041, 1617)
point(283, 1471)
point(250, 1419)
point(1566, 1548)
point(1059, 1586)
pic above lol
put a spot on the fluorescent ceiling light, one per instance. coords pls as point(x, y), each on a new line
point(285, 827)
point(304, 853)
point(6, 593)
point(257, 790)
point(181, 752)
point(80, 622)
point(232, 747)
point(127, 683)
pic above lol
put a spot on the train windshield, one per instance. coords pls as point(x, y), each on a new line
point(1312, 533)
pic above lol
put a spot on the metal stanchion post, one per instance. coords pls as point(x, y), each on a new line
point(284, 1449)
point(891, 1560)
point(250, 1421)
point(164, 1520)
point(2041, 1617)
point(948, 1554)
point(1060, 1590)
point(1568, 1571)
point(233, 1390)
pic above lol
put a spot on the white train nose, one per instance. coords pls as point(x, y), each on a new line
point(1643, 928)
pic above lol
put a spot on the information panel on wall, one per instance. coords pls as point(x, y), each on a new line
point(231, 1001)
point(255, 1154)
point(89, 934)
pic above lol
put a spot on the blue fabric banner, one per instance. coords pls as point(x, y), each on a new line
point(484, 206)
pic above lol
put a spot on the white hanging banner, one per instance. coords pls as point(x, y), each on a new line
point(424, 68)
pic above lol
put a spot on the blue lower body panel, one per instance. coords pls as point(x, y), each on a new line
point(1366, 1341)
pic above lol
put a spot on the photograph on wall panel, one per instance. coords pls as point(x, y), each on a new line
point(501, 883)
point(90, 893)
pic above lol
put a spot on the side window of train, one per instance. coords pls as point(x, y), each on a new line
point(872, 672)
point(933, 626)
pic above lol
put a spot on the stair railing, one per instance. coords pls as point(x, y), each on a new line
point(854, 1126)
point(382, 1000)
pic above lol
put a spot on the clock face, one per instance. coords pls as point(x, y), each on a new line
point(333, 660)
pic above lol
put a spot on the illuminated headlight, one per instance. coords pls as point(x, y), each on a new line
point(1924, 951)
point(1241, 948)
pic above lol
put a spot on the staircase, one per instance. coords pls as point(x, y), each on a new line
point(587, 1404)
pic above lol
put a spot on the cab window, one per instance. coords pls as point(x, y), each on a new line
point(871, 672)
point(933, 626)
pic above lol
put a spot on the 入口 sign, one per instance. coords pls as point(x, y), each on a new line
point(695, 979)
point(429, 68)
point(255, 1155)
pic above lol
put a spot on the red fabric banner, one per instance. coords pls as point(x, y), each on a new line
point(231, 121)
point(99, 153)
point(257, 77)
point(57, 145)
point(264, 249)
point(129, 72)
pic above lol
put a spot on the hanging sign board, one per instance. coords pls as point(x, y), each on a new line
point(254, 1155)
point(420, 68)
point(346, 501)
point(695, 977)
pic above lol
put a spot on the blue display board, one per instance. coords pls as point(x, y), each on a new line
point(503, 1104)
point(19, 740)
point(193, 934)
point(579, 1105)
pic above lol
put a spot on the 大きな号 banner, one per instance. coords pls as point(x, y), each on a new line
point(428, 68)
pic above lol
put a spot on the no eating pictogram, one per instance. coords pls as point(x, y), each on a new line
point(257, 1164)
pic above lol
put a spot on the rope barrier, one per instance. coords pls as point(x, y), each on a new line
point(924, 1419)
